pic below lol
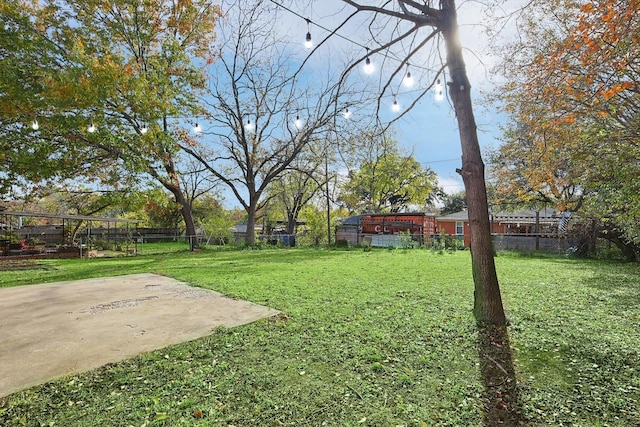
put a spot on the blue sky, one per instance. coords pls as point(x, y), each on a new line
point(429, 130)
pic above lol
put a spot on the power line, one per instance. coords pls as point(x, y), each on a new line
point(441, 161)
point(309, 21)
point(293, 12)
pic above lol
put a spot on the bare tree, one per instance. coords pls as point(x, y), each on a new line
point(407, 18)
point(442, 24)
point(260, 114)
point(300, 183)
point(196, 180)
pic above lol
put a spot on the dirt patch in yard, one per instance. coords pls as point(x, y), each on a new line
point(10, 263)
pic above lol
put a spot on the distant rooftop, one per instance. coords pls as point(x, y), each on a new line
point(546, 214)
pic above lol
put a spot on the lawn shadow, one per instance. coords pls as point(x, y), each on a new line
point(502, 400)
point(620, 288)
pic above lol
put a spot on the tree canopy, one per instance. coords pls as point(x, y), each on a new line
point(574, 99)
point(389, 182)
point(259, 115)
point(107, 83)
point(453, 203)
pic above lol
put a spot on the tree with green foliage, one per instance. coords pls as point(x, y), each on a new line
point(157, 210)
point(573, 96)
point(453, 203)
point(525, 172)
point(290, 194)
point(303, 181)
point(390, 182)
point(44, 101)
point(315, 224)
point(105, 84)
point(213, 219)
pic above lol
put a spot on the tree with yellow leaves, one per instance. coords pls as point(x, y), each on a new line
point(573, 95)
point(98, 89)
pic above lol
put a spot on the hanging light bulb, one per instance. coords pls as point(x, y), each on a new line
point(249, 126)
point(144, 129)
point(439, 91)
point(395, 107)
point(298, 122)
point(35, 125)
point(346, 114)
point(197, 128)
point(368, 65)
point(408, 78)
point(91, 128)
point(308, 43)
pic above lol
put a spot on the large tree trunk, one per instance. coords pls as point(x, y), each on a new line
point(292, 220)
point(250, 234)
point(250, 237)
point(487, 305)
point(187, 215)
point(630, 251)
point(174, 187)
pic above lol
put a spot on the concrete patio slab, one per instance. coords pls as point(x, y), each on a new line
point(55, 329)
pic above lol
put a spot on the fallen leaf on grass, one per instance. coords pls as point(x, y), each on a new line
point(161, 416)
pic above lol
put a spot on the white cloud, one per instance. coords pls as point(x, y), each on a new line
point(450, 184)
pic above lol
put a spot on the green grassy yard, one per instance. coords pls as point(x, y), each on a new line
point(376, 338)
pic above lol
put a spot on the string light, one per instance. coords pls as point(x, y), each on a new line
point(395, 107)
point(308, 43)
point(408, 78)
point(335, 33)
point(439, 92)
point(368, 65)
point(144, 129)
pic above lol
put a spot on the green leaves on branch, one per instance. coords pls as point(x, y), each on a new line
point(389, 183)
point(119, 65)
point(573, 99)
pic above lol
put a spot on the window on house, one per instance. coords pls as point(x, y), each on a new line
point(459, 227)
